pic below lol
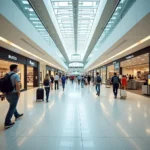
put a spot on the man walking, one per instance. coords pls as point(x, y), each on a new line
point(115, 81)
point(12, 97)
point(63, 80)
point(79, 79)
point(56, 78)
point(98, 81)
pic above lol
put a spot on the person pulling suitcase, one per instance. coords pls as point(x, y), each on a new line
point(46, 84)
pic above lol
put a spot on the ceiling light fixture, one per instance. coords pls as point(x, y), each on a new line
point(123, 51)
point(27, 52)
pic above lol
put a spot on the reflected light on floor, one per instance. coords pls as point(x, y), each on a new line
point(126, 134)
point(51, 104)
point(104, 109)
point(148, 131)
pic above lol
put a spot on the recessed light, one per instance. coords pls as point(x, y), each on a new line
point(25, 2)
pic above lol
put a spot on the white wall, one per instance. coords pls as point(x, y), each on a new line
point(138, 10)
point(13, 14)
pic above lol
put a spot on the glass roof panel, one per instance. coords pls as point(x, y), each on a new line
point(86, 16)
point(31, 15)
point(118, 14)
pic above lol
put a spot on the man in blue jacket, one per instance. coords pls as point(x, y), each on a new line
point(63, 80)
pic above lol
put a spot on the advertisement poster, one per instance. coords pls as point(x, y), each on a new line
point(148, 79)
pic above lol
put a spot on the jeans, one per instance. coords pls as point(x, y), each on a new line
point(115, 89)
point(98, 88)
point(12, 98)
point(72, 81)
point(78, 81)
point(82, 84)
point(63, 85)
point(56, 84)
point(47, 90)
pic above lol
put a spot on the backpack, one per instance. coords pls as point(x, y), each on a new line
point(46, 82)
point(6, 85)
point(98, 80)
point(115, 80)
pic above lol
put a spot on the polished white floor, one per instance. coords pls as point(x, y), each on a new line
point(77, 119)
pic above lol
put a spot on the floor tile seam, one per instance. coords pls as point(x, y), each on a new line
point(80, 127)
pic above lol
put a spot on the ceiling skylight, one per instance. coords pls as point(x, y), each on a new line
point(75, 20)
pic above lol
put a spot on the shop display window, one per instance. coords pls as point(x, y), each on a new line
point(29, 77)
point(110, 71)
point(4, 68)
point(103, 74)
point(137, 67)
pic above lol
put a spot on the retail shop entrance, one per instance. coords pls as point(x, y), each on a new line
point(32, 74)
point(28, 69)
point(136, 70)
point(5, 68)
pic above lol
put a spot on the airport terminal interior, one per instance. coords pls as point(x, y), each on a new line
point(82, 45)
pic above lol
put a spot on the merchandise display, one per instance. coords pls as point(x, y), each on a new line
point(30, 77)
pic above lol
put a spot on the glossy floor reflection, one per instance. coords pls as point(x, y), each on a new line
point(77, 119)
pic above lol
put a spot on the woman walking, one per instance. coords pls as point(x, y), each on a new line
point(52, 82)
point(46, 83)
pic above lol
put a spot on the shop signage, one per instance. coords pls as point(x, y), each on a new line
point(31, 63)
point(129, 57)
point(117, 66)
point(12, 57)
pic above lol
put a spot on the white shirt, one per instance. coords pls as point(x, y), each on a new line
point(56, 78)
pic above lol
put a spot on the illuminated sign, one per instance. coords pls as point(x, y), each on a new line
point(129, 57)
point(31, 63)
point(12, 57)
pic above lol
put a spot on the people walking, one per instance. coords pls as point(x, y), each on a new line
point(56, 78)
point(97, 81)
point(63, 80)
point(82, 81)
point(115, 81)
point(79, 79)
point(47, 83)
point(72, 79)
point(11, 89)
point(124, 82)
point(52, 82)
point(89, 79)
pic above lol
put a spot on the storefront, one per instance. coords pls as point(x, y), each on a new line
point(98, 70)
point(135, 66)
point(110, 71)
point(28, 73)
point(32, 73)
point(51, 71)
point(104, 74)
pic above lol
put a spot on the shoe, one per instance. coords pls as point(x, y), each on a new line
point(9, 125)
point(47, 101)
point(19, 116)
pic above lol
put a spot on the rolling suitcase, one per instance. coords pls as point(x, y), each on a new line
point(40, 94)
point(123, 94)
